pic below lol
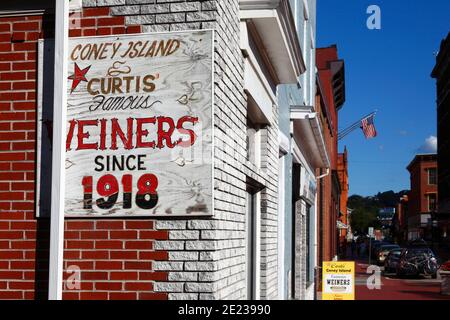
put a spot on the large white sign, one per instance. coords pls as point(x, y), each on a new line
point(139, 125)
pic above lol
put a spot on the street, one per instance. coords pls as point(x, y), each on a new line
point(393, 288)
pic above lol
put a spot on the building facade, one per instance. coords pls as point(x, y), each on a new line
point(343, 201)
point(400, 229)
point(302, 137)
point(423, 197)
point(330, 97)
point(274, 140)
point(441, 73)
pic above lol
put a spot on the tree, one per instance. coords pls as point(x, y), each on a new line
point(363, 218)
point(366, 209)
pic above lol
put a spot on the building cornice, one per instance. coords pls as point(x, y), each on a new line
point(258, 4)
point(274, 22)
point(307, 130)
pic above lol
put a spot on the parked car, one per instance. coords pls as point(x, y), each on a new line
point(392, 260)
point(417, 261)
point(375, 245)
point(383, 251)
point(445, 266)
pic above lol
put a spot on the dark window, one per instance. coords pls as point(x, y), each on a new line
point(251, 245)
point(432, 202)
point(309, 248)
point(296, 172)
point(432, 176)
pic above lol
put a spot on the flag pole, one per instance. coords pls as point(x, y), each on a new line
point(370, 114)
point(59, 151)
point(355, 125)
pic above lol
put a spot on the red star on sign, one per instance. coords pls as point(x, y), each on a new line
point(78, 76)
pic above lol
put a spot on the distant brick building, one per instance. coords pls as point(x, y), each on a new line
point(330, 97)
point(400, 226)
point(423, 197)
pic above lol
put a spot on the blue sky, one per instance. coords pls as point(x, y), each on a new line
point(388, 70)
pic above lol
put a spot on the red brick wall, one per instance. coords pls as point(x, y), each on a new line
point(327, 203)
point(418, 201)
point(425, 188)
point(18, 228)
point(115, 256)
point(326, 192)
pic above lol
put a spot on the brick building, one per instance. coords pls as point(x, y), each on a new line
point(231, 255)
point(441, 73)
point(423, 197)
point(343, 201)
point(330, 97)
point(400, 226)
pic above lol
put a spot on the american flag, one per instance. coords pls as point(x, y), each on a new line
point(368, 127)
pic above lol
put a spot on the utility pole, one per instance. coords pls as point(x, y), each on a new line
point(370, 244)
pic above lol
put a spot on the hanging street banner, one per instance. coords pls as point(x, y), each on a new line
point(338, 280)
point(140, 125)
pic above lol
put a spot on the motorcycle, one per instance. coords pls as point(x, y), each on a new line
point(425, 264)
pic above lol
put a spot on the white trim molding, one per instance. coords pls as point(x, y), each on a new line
point(20, 13)
point(273, 20)
point(59, 151)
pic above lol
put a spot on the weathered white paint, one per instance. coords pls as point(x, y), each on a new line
point(75, 4)
point(58, 156)
point(183, 87)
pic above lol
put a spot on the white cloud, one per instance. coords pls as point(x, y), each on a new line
point(430, 145)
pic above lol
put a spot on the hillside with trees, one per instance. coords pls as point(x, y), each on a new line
point(365, 209)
